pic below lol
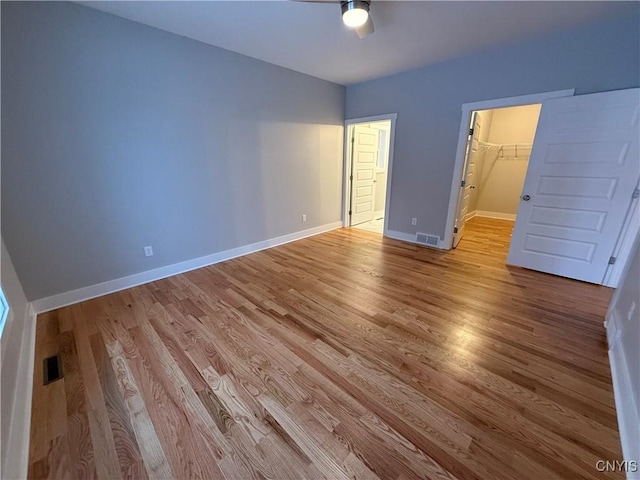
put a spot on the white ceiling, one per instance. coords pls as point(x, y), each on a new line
point(310, 37)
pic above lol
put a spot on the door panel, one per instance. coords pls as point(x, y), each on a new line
point(571, 218)
point(584, 167)
point(365, 151)
point(469, 175)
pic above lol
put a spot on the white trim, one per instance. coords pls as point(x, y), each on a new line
point(374, 118)
point(467, 108)
point(16, 463)
point(628, 235)
point(519, 100)
point(626, 410)
point(346, 190)
point(86, 293)
point(346, 167)
point(498, 215)
point(405, 237)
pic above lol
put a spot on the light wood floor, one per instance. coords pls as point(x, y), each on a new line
point(338, 356)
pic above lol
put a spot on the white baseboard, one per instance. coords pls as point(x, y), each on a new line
point(86, 293)
point(405, 237)
point(625, 400)
point(498, 215)
point(470, 215)
point(16, 463)
point(410, 238)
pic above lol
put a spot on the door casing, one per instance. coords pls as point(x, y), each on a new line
point(467, 110)
point(631, 225)
point(347, 162)
point(464, 193)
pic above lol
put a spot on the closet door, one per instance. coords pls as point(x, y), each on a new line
point(469, 179)
point(583, 170)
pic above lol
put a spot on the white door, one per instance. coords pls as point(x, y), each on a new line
point(365, 151)
point(469, 179)
point(582, 173)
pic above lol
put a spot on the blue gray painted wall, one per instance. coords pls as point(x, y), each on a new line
point(428, 102)
point(116, 135)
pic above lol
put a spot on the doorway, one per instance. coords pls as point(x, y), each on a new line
point(498, 149)
point(581, 184)
point(368, 162)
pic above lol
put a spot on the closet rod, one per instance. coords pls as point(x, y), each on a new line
point(502, 145)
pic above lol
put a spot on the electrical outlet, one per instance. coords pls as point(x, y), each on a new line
point(414, 221)
point(148, 251)
point(304, 218)
point(632, 309)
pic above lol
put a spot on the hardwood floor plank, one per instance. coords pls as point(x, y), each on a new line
point(343, 355)
point(305, 440)
point(151, 450)
point(78, 435)
point(47, 330)
point(169, 411)
point(102, 442)
point(129, 457)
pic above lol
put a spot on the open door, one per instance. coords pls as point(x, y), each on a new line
point(365, 151)
point(583, 171)
point(468, 178)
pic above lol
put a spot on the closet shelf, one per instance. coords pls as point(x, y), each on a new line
point(508, 150)
point(501, 145)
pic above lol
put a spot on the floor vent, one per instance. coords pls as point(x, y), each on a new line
point(426, 239)
point(52, 369)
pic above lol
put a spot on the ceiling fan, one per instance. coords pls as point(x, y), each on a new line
point(355, 14)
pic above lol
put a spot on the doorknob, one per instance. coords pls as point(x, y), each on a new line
point(526, 198)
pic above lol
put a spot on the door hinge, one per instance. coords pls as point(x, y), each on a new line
point(470, 131)
point(636, 193)
point(612, 260)
point(351, 178)
point(455, 229)
point(463, 183)
point(353, 139)
point(349, 212)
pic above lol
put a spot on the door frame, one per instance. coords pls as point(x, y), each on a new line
point(467, 109)
point(348, 160)
point(625, 243)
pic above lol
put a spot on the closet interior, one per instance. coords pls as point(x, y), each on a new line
point(503, 142)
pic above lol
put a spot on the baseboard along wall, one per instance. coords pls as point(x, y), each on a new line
point(93, 291)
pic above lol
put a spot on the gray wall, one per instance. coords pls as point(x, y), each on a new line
point(117, 135)
point(428, 102)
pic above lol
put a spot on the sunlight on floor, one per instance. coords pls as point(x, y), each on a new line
point(376, 225)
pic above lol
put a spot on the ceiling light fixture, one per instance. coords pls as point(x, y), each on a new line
point(355, 12)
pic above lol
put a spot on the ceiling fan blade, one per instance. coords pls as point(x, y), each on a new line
point(366, 29)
